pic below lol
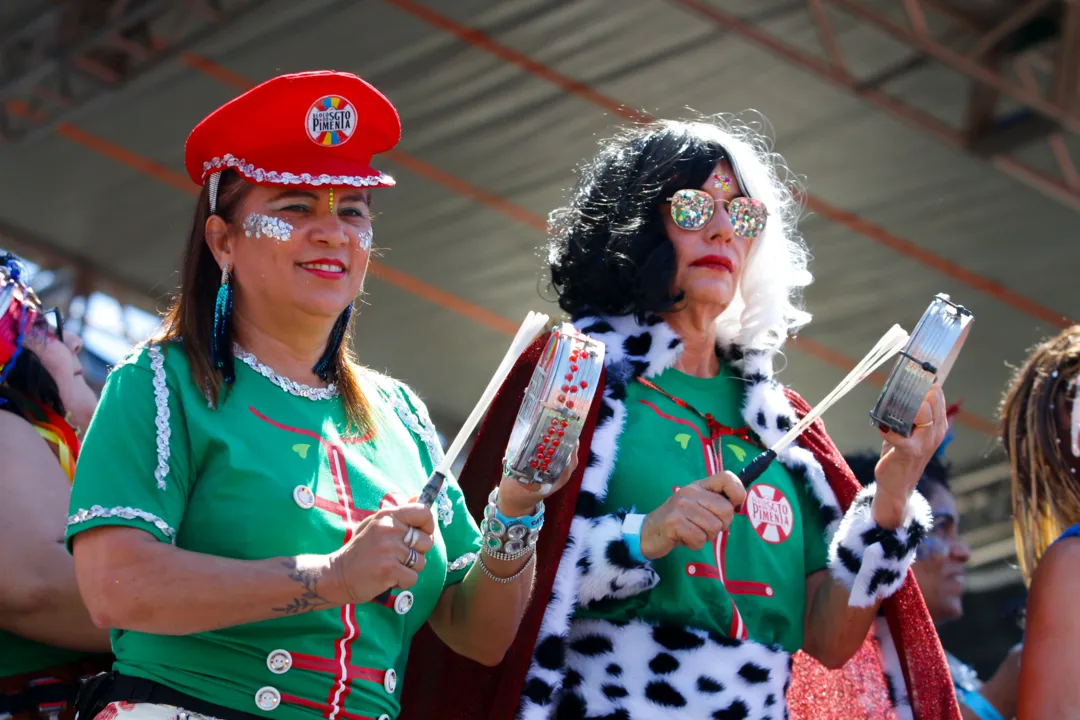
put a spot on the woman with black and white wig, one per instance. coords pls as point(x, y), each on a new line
point(676, 592)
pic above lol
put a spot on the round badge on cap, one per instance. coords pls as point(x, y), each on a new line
point(403, 603)
point(279, 662)
point(331, 121)
point(304, 497)
point(389, 681)
point(267, 698)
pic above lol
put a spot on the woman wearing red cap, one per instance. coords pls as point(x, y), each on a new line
point(243, 515)
point(46, 638)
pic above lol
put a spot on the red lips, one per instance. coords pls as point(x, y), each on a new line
point(325, 268)
point(324, 261)
point(715, 262)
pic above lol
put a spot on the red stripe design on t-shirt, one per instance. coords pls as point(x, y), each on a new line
point(339, 472)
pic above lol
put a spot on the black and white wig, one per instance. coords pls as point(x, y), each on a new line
point(608, 251)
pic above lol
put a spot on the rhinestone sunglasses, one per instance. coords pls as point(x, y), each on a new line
point(693, 209)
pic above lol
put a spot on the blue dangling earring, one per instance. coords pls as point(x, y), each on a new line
point(221, 341)
point(325, 366)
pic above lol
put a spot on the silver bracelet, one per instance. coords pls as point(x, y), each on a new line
point(505, 580)
point(508, 538)
point(507, 556)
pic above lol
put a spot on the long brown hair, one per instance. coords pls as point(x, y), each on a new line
point(1035, 429)
point(191, 315)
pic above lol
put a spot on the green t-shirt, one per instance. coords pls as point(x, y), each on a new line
point(775, 541)
point(19, 655)
point(267, 474)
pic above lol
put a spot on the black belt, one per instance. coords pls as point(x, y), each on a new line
point(33, 697)
point(124, 688)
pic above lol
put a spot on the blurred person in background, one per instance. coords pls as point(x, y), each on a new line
point(939, 570)
point(47, 640)
point(1040, 428)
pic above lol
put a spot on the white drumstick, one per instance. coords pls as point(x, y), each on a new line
point(889, 344)
point(530, 329)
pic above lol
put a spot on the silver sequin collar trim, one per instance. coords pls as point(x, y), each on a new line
point(127, 513)
point(260, 175)
point(290, 386)
point(161, 420)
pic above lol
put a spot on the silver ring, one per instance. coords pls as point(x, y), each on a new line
point(411, 536)
point(413, 557)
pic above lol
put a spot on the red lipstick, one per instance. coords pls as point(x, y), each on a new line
point(715, 262)
point(326, 268)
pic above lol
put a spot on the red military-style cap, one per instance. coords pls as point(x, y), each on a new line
point(307, 129)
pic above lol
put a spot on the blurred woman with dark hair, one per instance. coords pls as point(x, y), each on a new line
point(939, 570)
point(1040, 427)
point(47, 640)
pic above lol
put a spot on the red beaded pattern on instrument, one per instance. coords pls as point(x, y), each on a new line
point(551, 441)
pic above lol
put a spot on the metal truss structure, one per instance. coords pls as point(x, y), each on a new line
point(1020, 58)
point(68, 54)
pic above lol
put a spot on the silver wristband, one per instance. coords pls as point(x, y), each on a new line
point(506, 538)
point(505, 580)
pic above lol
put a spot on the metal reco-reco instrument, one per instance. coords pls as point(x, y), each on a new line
point(925, 360)
point(555, 406)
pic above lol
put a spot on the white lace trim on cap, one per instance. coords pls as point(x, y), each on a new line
point(260, 175)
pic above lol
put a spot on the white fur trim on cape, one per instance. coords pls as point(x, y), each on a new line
point(894, 674)
point(634, 349)
point(606, 567)
point(870, 561)
point(639, 671)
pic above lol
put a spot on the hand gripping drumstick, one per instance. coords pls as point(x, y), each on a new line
point(889, 344)
point(531, 328)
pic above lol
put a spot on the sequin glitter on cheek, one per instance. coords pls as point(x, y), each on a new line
point(722, 181)
point(258, 225)
point(364, 238)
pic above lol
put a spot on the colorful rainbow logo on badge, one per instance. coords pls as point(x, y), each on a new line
point(330, 121)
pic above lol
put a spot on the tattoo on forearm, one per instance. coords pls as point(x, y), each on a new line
point(309, 599)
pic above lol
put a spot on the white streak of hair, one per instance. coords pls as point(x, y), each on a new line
point(764, 310)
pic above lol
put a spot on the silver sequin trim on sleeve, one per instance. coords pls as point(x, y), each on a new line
point(161, 398)
point(462, 562)
point(127, 513)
